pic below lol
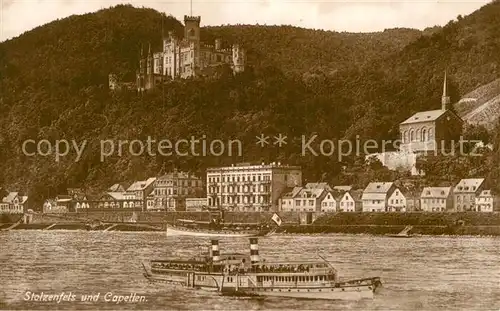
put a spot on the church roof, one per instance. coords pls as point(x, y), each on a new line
point(424, 116)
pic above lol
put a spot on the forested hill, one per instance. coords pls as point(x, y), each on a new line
point(54, 86)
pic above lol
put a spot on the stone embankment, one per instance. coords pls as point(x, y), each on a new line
point(468, 223)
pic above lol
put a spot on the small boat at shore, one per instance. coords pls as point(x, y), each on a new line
point(218, 228)
point(405, 233)
point(236, 274)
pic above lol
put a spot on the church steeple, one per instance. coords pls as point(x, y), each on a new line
point(445, 99)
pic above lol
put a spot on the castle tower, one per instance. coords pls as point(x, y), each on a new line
point(239, 58)
point(192, 28)
point(192, 36)
point(445, 99)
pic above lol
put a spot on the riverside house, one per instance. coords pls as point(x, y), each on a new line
point(347, 202)
point(465, 193)
point(140, 190)
point(485, 201)
point(436, 199)
point(302, 199)
point(377, 197)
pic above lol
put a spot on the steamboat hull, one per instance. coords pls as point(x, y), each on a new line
point(350, 290)
point(179, 231)
point(349, 293)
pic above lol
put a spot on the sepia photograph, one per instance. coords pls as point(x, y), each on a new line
point(250, 155)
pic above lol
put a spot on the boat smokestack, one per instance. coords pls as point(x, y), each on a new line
point(215, 251)
point(254, 250)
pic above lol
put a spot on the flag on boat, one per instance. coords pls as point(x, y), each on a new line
point(276, 219)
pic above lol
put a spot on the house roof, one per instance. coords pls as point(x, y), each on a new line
point(174, 175)
point(356, 194)
point(23, 199)
point(318, 185)
point(378, 187)
point(342, 188)
point(435, 192)
point(424, 116)
point(485, 193)
point(310, 193)
point(303, 192)
point(117, 195)
point(141, 185)
point(117, 187)
point(468, 185)
point(333, 194)
point(10, 197)
point(377, 190)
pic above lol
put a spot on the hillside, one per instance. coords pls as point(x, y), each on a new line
point(482, 105)
point(54, 86)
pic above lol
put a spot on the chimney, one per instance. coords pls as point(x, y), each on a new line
point(445, 99)
point(215, 251)
point(254, 250)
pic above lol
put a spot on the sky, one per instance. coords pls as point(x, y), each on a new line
point(18, 16)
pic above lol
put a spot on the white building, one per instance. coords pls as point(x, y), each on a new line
point(465, 193)
point(13, 203)
point(246, 187)
point(329, 203)
point(140, 190)
point(377, 195)
point(302, 199)
point(396, 201)
point(484, 202)
point(172, 189)
point(347, 202)
point(436, 199)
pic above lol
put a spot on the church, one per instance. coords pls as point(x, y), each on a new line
point(432, 131)
point(425, 132)
point(187, 57)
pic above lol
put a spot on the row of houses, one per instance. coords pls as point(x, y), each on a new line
point(259, 188)
point(176, 191)
point(240, 187)
point(467, 195)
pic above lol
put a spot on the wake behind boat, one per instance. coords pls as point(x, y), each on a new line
point(236, 274)
point(218, 228)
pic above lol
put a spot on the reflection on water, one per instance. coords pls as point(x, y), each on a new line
point(424, 273)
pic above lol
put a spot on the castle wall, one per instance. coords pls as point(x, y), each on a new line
point(397, 160)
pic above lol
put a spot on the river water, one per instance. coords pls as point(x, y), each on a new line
point(422, 273)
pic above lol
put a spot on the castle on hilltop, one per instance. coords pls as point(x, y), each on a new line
point(187, 57)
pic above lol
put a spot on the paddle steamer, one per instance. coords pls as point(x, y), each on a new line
point(242, 275)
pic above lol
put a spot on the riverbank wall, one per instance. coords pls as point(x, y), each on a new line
point(465, 223)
